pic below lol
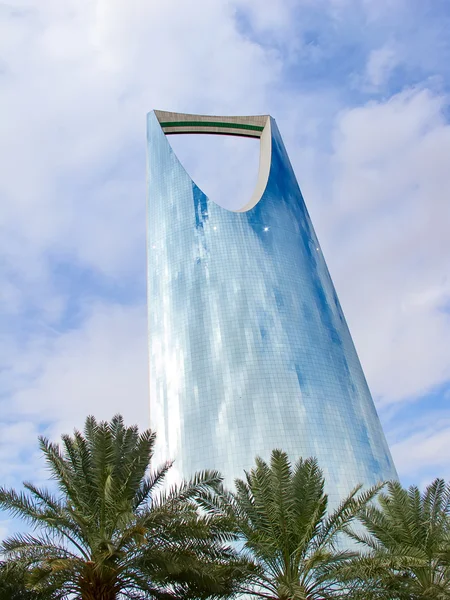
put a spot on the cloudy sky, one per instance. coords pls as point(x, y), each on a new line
point(360, 90)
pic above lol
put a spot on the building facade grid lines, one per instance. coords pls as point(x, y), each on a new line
point(249, 349)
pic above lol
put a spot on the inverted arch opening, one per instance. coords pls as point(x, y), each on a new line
point(224, 168)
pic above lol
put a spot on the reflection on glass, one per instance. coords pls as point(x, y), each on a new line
point(249, 348)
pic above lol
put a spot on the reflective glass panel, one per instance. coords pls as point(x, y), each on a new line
point(249, 348)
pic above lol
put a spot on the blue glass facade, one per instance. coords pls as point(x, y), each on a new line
point(249, 348)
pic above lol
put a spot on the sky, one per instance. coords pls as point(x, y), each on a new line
point(360, 90)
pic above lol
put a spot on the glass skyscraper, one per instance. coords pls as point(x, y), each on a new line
point(249, 348)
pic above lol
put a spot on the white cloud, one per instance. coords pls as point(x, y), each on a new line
point(380, 65)
point(223, 156)
point(423, 456)
point(389, 226)
point(99, 368)
point(79, 79)
point(270, 18)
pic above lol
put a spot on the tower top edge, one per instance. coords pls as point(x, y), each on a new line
point(172, 122)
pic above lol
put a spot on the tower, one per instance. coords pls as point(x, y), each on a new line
point(249, 348)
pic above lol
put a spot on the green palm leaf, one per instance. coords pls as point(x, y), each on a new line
point(407, 547)
point(112, 531)
point(280, 511)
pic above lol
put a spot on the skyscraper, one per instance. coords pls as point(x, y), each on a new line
point(249, 348)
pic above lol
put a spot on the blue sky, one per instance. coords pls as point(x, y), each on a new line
point(360, 91)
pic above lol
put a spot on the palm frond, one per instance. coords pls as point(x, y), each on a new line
point(111, 525)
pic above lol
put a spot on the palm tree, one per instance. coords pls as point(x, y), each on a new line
point(106, 534)
point(407, 544)
point(12, 585)
point(281, 515)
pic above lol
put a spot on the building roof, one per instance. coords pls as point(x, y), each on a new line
point(172, 123)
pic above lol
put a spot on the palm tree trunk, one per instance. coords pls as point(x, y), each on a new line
point(99, 593)
point(93, 587)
